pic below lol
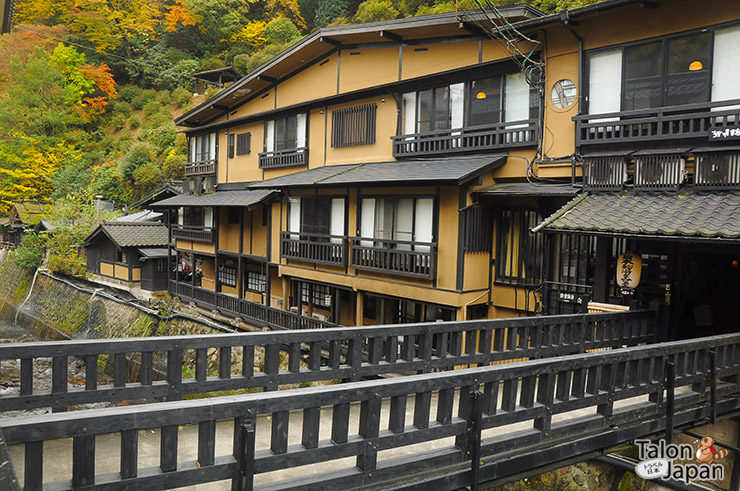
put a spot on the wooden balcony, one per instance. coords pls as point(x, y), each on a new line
point(284, 158)
point(470, 139)
point(200, 234)
point(714, 121)
point(397, 257)
point(315, 248)
point(200, 168)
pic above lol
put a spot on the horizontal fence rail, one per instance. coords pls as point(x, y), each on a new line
point(251, 311)
point(283, 158)
point(316, 248)
point(200, 168)
point(512, 419)
point(201, 234)
point(460, 140)
point(175, 366)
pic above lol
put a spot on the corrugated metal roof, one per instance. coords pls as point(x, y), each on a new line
point(248, 198)
point(133, 234)
point(142, 216)
point(456, 169)
point(153, 252)
point(528, 189)
point(714, 215)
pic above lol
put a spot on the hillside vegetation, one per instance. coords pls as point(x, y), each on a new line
point(89, 89)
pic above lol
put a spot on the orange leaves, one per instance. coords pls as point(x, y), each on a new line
point(179, 13)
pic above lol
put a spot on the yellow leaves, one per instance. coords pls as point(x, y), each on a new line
point(252, 34)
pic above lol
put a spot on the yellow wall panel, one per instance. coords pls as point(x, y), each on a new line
point(319, 80)
point(262, 103)
point(245, 168)
point(437, 58)
point(447, 237)
point(354, 73)
point(106, 269)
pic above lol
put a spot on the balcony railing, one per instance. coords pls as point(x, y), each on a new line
point(461, 140)
point(200, 168)
point(316, 248)
point(284, 158)
point(201, 234)
point(251, 311)
point(711, 121)
point(397, 257)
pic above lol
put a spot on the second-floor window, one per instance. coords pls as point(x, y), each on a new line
point(519, 253)
point(675, 70)
point(397, 219)
point(203, 148)
point(323, 216)
point(195, 216)
point(286, 133)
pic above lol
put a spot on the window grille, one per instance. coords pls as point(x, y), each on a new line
point(519, 252)
point(227, 276)
point(320, 294)
point(478, 230)
point(231, 145)
point(353, 126)
point(243, 143)
point(256, 281)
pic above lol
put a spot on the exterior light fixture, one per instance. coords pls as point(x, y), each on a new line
point(695, 66)
point(480, 95)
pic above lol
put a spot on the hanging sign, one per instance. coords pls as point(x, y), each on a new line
point(629, 269)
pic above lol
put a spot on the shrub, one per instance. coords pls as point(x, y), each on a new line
point(162, 137)
point(151, 108)
point(30, 254)
point(128, 92)
point(164, 98)
point(134, 122)
point(121, 108)
point(118, 121)
point(375, 11)
point(182, 96)
point(174, 166)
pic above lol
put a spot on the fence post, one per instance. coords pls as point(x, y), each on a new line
point(670, 379)
point(474, 430)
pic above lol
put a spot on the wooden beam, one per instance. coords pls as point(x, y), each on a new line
point(472, 29)
point(265, 78)
point(330, 41)
point(392, 36)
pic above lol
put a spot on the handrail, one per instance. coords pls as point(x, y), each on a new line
point(564, 408)
point(402, 257)
point(351, 353)
point(318, 248)
point(283, 158)
point(199, 233)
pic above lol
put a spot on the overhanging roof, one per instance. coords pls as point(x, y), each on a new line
point(711, 216)
point(249, 198)
point(323, 42)
point(407, 172)
point(527, 190)
point(153, 252)
point(132, 234)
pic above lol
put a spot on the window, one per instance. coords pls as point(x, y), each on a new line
point(256, 281)
point(353, 126)
point(323, 216)
point(195, 216)
point(478, 229)
point(683, 69)
point(232, 215)
point(397, 219)
point(122, 257)
point(203, 148)
point(231, 145)
point(243, 143)
point(287, 133)
point(501, 98)
point(519, 253)
point(574, 259)
point(227, 274)
point(320, 294)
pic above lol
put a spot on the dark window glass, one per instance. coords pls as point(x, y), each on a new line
point(643, 73)
point(315, 215)
point(231, 145)
point(424, 118)
point(441, 108)
point(519, 253)
point(688, 78)
point(227, 275)
point(233, 215)
point(320, 294)
point(256, 281)
point(485, 101)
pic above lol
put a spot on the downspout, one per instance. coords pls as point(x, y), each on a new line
point(567, 23)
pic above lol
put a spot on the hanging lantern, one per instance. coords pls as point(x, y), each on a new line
point(629, 269)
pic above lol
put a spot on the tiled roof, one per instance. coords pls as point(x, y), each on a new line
point(712, 215)
point(455, 169)
point(528, 189)
point(133, 234)
point(142, 216)
point(248, 198)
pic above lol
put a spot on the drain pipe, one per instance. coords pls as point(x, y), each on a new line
point(30, 291)
point(626, 465)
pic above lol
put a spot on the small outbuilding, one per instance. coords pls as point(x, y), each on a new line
point(24, 216)
point(129, 255)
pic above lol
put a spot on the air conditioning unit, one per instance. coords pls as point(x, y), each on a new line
point(210, 184)
point(718, 169)
point(318, 316)
point(606, 172)
point(660, 171)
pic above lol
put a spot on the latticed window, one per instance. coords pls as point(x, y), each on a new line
point(519, 252)
point(320, 294)
point(227, 275)
point(256, 281)
point(353, 126)
point(478, 230)
point(243, 143)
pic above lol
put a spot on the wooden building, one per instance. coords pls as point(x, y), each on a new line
point(392, 172)
point(129, 255)
point(25, 216)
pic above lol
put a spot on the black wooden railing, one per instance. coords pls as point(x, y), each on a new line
point(316, 248)
point(703, 121)
point(283, 158)
point(250, 311)
point(327, 354)
point(399, 257)
point(470, 139)
point(717, 171)
point(200, 168)
point(491, 424)
point(201, 234)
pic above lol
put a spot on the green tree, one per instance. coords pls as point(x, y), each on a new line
point(375, 11)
